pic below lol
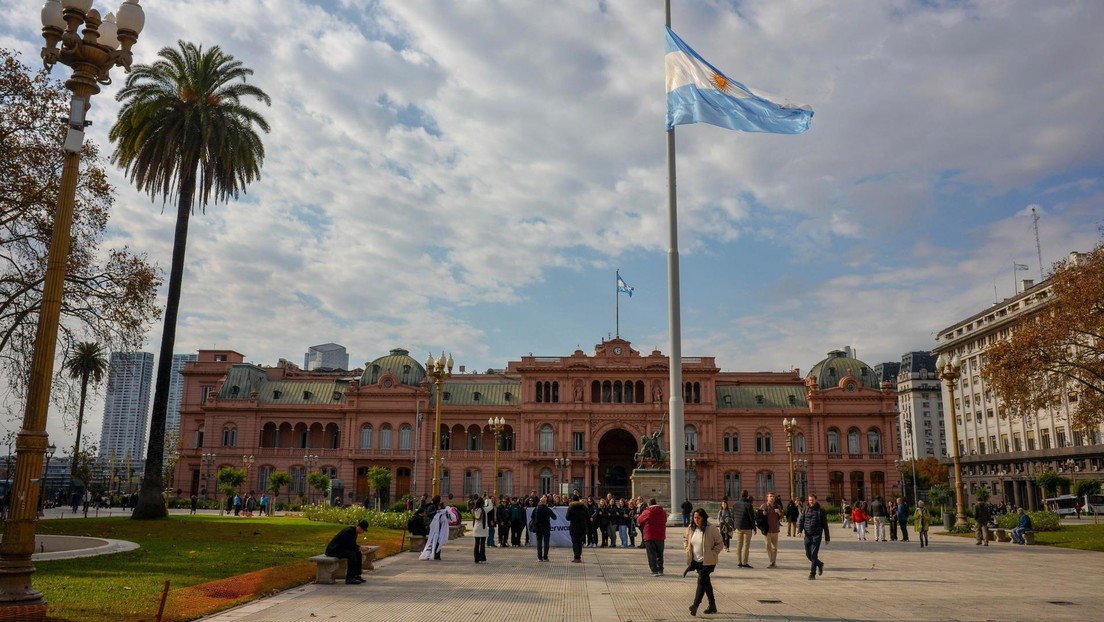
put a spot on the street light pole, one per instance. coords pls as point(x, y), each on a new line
point(438, 370)
point(208, 461)
point(790, 425)
point(950, 369)
point(310, 460)
point(91, 57)
point(912, 450)
point(45, 488)
point(496, 424)
point(562, 463)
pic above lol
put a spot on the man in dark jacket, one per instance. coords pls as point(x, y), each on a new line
point(902, 511)
point(344, 546)
point(653, 527)
point(814, 524)
point(879, 513)
point(417, 525)
point(981, 515)
point(542, 523)
point(578, 519)
point(743, 515)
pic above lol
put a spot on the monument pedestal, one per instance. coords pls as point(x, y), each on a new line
point(652, 484)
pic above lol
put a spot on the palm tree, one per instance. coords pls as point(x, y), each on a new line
point(87, 362)
point(184, 132)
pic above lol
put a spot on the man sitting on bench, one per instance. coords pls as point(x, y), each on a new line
point(344, 546)
point(417, 524)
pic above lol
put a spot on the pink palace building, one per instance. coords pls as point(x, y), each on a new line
point(571, 421)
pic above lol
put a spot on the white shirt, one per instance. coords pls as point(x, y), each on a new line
point(697, 545)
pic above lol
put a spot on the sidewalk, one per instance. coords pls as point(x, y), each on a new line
point(951, 580)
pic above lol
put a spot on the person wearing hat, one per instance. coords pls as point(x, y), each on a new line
point(344, 546)
point(921, 523)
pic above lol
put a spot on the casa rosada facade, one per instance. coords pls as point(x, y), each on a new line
point(571, 421)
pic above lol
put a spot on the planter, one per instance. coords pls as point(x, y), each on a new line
point(948, 521)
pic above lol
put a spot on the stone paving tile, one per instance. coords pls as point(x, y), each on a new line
point(952, 580)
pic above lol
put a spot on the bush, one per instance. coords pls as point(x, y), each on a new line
point(1040, 521)
point(350, 514)
point(398, 506)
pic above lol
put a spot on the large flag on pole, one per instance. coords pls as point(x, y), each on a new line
point(623, 287)
point(698, 93)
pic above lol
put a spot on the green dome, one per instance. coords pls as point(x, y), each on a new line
point(399, 363)
point(840, 363)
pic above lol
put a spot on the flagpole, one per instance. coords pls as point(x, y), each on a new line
point(617, 304)
point(678, 466)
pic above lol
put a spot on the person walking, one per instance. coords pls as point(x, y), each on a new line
point(922, 520)
point(773, 511)
point(578, 520)
point(703, 544)
point(743, 514)
point(982, 515)
point(792, 512)
point(687, 508)
point(878, 513)
point(542, 527)
point(653, 528)
point(725, 524)
point(859, 517)
point(814, 524)
point(902, 518)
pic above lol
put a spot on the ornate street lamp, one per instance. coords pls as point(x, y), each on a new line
point(105, 44)
point(50, 449)
point(438, 370)
point(790, 425)
point(496, 424)
point(311, 461)
point(950, 369)
point(562, 463)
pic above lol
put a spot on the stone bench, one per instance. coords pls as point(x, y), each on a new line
point(332, 569)
point(1003, 535)
point(455, 531)
point(417, 544)
point(1029, 537)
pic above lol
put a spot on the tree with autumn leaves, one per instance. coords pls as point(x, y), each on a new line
point(110, 293)
point(1055, 359)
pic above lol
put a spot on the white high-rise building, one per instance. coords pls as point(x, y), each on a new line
point(176, 392)
point(326, 356)
point(126, 407)
point(920, 401)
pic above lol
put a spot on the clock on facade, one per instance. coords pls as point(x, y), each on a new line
point(617, 350)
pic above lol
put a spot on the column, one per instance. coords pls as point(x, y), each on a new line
point(1017, 499)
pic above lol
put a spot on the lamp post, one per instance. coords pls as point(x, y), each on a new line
point(247, 462)
point(1071, 468)
point(562, 464)
point(691, 466)
point(91, 57)
point(800, 466)
point(311, 461)
point(912, 450)
point(790, 425)
point(208, 462)
point(45, 489)
point(950, 369)
point(438, 370)
point(496, 424)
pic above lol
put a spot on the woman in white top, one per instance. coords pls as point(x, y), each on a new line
point(703, 544)
point(480, 522)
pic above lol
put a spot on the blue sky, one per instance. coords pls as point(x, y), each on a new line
point(468, 176)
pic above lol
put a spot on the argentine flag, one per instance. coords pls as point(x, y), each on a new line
point(623, 287)
point(698, 93)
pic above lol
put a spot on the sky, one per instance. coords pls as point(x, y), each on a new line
point(468, 176)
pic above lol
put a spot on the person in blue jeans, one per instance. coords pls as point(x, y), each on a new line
point(813, 524)
point(902, 518)
point(687, 508)
point(1025, 525)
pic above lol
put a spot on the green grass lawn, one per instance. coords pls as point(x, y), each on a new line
point(1082, 537)
point(203, 557)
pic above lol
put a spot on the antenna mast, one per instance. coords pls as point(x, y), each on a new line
point(1038, 246)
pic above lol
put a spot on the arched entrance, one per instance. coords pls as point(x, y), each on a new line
point(615, 463)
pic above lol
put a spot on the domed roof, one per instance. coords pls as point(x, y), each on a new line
point(840, 363)
point(397, 362)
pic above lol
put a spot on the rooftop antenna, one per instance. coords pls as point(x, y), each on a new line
point(1038, 246)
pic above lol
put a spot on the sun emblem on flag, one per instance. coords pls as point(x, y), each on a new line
point(720, 82)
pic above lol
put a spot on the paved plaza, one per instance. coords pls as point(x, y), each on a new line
point(951, 580)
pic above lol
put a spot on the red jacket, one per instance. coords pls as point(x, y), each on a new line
point(653, 523)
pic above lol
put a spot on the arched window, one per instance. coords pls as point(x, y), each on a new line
point(858, 488)
point(799, 442)
point(834, 443)
point(639, 391)
point(366, 436)
point(334, 435)
point(547, 438)
point(475, 438)
point(540, 392)
point(506, 439)
point(874, 442)
point(768, 443)
point(691, 438)
point(732, 485)
point(229, 436)
point(446, 484)
point(263, 474)
point(629, 393)
point(555, 392)
point(764, 483)
point(763, 444)
point(199, 437)
point(405, 436)
point(472, 483)
point(853, 446)
point(546, 481)
point(617, 395)
point(607, 392)
point(596, 391)
point(385, 437)
point(835, 486)
point(506, 483)
point(270, 436)
point(298, 483)
point(446, 438)
point(732, 443)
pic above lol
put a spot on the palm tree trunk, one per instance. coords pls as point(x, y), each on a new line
point(150, 502)
point(80, 424)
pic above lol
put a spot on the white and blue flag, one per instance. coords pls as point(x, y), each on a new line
point(623, 287)
point(698, 93)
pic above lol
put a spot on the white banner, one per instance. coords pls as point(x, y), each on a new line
point(561, 530)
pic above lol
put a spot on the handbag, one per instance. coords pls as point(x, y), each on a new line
point(761, 521)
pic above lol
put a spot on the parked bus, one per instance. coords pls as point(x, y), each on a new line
point(1064, 505)
point(1095, 504)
